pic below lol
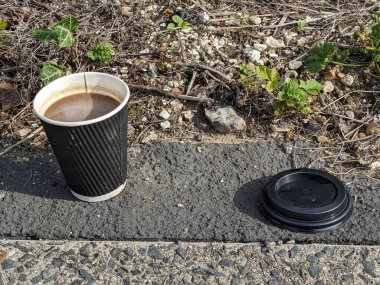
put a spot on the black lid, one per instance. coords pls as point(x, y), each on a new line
point(306, 200)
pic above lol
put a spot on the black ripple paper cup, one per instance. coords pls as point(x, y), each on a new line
point(92, 154)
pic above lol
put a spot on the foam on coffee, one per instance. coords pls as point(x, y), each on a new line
point(81, 107)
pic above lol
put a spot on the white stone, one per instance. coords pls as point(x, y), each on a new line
point(165, 125)
point(164, 114)
point(273, 43)
point(328, 87)
point(232, 60)
point(176, 105)
point(347, 80)
point(272, 55)
point(203, 17)
point(375, 165)
point(23, 132)
point(350, 114)
point(225, 119)
point(254, 56)
point(302, 42)
point(294, 65)
point(188, 115)
point(131, 129)
point(152, 136)
point(260, 47)
point(255, 20)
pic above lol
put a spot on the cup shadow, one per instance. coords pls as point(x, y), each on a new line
point(248, 199)
point(40, 176)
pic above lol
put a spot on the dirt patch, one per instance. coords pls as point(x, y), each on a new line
point(202, 62)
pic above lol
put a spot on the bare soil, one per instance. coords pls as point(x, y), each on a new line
point(146, 54)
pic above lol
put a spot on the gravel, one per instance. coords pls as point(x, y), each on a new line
point(203, 263)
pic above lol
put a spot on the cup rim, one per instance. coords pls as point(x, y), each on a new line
point(86, 122)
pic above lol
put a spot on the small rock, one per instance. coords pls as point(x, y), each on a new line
point(281, 253)
point(187, 279)
point(372, 129)
point(272, 43)
point(126, 10)
point(255, 20)
point(57, 262)
point(187, 115)
point(141, 251)
point(350, 114)
point(176, 91)
point(115, 253)
point(323, 139)
point(294, 65)
point(152, 136)
point(375, 165)
point(164, 114)
point(85, 275)
point(302, 41)
point(165, 125)
point(314, 271)
point(312, 259)
point(153, 69)
point(203, 17)
point(294, 251)
point(280, 129)
point(225, 262)
point(179, 205)
point(128, 251)
point(225, 120)
point(330, 74)
point(346, 79)
point(155, 253)
point(328, 87)
point(273, 55)
point(181, 252)
point(131, 129)
point(362, 135)
point(260, 47)
point(176, 105)
point(254, 56)
point(369, 268)
point(23, 132)
point(328, 250)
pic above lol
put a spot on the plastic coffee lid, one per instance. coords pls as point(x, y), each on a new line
point(306, 200)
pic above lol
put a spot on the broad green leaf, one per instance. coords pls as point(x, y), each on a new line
point(272, 85)
point(177, 19)
point(64, 36)
point(3, 25)
point(320, 56)
point(69, 23)
point(311, 86)
point(44, 35)
point(102, 52)
point(375, 34)
point(263, 72)
point(171, 26)
point(50, 72)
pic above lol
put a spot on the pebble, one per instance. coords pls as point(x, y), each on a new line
point(225, 119)
point(273, 43)
point(346, 79)
point(164, 114)
point(131, 129)
point(225, 262)
point(294, 65)
point(281, 253)
point(128, 251)
point(176, 105)
point(165, 125)
point(372, 129)
point(350, 114)
point(181, 252)
point(314, 271)
point(187, 279)
point(375, 165)
point(155, 253)
point(312, 259)
point(255, 57)
point(23, 132)
point(328, 87)
point(255, 20)
point(330, 74)
point(260, 47)
point(203, 17)
point(187, 115)
point(142, 251)
point(369, 268)
point(323, 139)
point(85, 275)
point(293, 251)
point(152, 136)
point(301, 42)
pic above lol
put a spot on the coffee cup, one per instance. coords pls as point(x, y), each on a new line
point(91, 150)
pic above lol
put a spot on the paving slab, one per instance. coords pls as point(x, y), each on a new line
point(156, 263)
point(219, 186)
